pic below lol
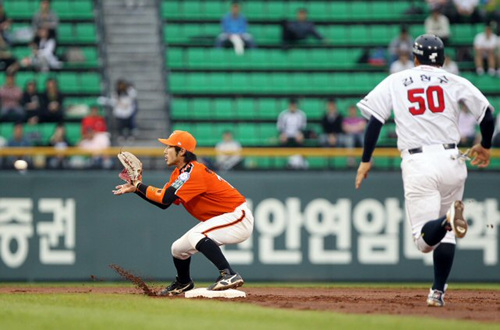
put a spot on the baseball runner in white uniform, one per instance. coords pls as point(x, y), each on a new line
point(425, 101)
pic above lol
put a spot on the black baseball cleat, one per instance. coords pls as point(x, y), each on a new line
point(176, 288)
point(226, 280)
point(455, 218)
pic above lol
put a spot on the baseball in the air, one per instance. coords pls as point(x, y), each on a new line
point(20, 165)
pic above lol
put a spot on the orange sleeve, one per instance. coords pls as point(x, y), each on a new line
point(156, 194)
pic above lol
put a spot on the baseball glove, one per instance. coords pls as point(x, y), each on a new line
point(132, 172)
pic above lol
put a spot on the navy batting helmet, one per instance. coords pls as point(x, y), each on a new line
point(429, 49)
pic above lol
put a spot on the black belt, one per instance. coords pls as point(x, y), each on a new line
point(419, 149)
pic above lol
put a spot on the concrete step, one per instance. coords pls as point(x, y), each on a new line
point(153, 60)
point(133, 6)
point(151, 48)
point(115, 21)
point(133, 69)
point(126, 28)
point(132, 39)
point(151, 110)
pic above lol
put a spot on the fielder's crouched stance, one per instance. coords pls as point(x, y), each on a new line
point(222, 210)
point(426, 104)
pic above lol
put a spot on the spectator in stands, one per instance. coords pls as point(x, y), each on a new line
point(123, 101)
point(45, 18)
point(235, 31)
point(450, 65)
point(94, 121)
point(11, 96)
point(291, 125)
point(438, 24)
point(59, 141)
point(43, 55)
point(466, 11)
point(18, 140)
point(31, 102)
point(228, 153)
point(8, 62)
point(354, 128)
point(466, 127)
point(402, 63)
point(332, 125)
point(403, 43)
point(52, 103)
point(96, 142)
point(485, 45)
point(5, 24)
point(298, 30)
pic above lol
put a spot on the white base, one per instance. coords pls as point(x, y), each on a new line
point(205, 293)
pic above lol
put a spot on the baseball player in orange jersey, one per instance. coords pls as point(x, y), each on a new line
point(426, 104)
point(222, 211)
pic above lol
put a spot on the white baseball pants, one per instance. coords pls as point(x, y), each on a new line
point(433, 179)
point(228, 228)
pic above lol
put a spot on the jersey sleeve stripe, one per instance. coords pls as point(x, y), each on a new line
point(368, 112)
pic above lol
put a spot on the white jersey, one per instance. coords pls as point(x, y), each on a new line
point(425, 101)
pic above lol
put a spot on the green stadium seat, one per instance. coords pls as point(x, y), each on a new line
point(224, 109)
point(20, 9)
point(82, 9)
point(85, 32)
point(245, 109)
point(6, 130)
point(180, 108)
point(68, 82)
point(89, 83)
point(201, 108)
point(73, 132)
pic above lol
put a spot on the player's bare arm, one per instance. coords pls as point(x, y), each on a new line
point(363, 170)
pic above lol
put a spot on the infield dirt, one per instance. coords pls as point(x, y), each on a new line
point(474, 305)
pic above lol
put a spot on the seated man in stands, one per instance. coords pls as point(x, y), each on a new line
point(31, 102)
point(299, 30)
point(94, 121)
point(291, 125)
point(228, 153)
point(43, 57)
point(403, 42)
point(52, 103)
point(45, 18)
point(332, 125)
point(485, 45)
point(11, 96)
point(235, 30)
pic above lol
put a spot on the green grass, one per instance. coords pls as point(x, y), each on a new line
point(121, 311)
point(100, 311)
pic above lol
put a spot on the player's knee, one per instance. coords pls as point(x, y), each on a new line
point(423, 246)
point(194, 238)
point(178, 252)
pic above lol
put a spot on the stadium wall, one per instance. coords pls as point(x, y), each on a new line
point(310, 226)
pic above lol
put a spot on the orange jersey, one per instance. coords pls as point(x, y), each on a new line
point(203, 193)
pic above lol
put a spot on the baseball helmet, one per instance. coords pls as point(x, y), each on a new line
point(429, 49)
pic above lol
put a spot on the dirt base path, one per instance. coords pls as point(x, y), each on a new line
point(476, 305)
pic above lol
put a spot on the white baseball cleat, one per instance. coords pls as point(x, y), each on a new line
point(455, 217)
point(436, 297)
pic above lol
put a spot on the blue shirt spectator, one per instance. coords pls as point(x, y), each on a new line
point(235, 31)
point(234, 24)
